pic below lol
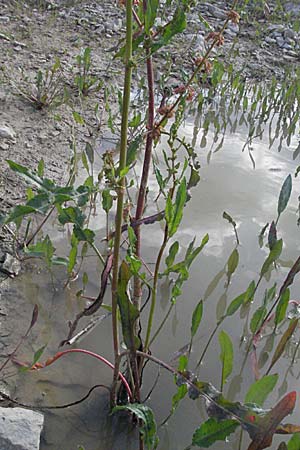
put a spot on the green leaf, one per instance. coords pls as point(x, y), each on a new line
point(284, 195)
point(169, 211)
point(148, 429)
point(40, 202)
point(294, 442)
point(128, 311)
point(178, 207)
point(175, 26)
point(135, 121)
point(226, 355)
point(257, 319)
point(233, 262)
point(43, 249)
point(41, 168)
point(235, 304)
point(84, 235)
point(73, 253)
point(212, 430)
point(71, 214)
point(282, 306)
point(272, 236)
point(19, 212)
point(77, 117)
point(180, 394)
point(273, 255)
point(260, 389)
point(132, 150)
point(107, 200)
point(249, 294)
point(150, 14)
point(89, 152)
point(196, 318)
point(159, 178)
point(38, 354)
point(24, 172)
point(172, 254)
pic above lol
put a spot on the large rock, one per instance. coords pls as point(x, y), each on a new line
point(20, 429)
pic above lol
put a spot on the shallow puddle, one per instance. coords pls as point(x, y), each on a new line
point(228, 183)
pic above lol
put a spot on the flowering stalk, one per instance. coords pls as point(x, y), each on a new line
point(120, 191)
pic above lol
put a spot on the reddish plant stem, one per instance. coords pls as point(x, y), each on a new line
point(94, 355)
point(146, 167)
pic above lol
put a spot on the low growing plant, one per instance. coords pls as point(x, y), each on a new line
point(47, 88)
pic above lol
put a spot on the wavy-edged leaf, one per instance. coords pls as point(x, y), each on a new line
point(18, 213)
point(212, 430)
point(175, 26)
point(148, 429)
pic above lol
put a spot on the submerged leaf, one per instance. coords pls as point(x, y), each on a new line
point(35, 314)
point(283, 342)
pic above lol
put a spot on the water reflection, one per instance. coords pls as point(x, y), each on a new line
point(228, 183)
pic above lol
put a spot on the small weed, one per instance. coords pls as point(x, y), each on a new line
point(84, 80)
point(46, 90)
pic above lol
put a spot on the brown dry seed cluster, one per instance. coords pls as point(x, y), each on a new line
point(156, 132)
point(166, 110)
point(233, 16)
point(215, 36)
point(206, 65)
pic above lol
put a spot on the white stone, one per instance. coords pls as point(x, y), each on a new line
point(7, 132)
point(20, 429)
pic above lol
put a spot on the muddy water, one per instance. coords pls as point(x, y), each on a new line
point(228, 183)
